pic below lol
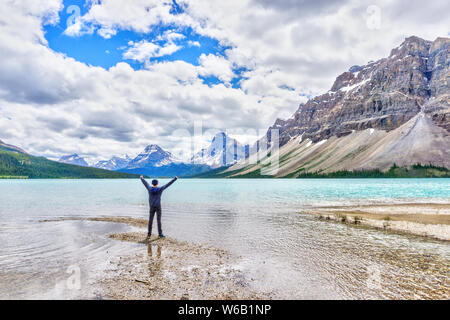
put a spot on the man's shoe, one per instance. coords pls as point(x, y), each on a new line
point(161, 236)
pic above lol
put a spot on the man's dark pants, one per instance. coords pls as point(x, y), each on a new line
point(158, 218)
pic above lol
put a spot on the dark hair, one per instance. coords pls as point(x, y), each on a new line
point(154, 182)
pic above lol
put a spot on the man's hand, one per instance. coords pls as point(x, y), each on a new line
point(176, 177)
point(142, 177)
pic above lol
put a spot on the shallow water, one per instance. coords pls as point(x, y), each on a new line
point(293, 254)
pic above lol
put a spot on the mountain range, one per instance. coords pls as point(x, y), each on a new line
point(155, 161)
point(16, 163)
point(392, 112)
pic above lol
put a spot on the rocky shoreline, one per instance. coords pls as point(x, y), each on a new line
point(171, 269)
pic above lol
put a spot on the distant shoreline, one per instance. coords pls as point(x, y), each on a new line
point(14, 177)
point(207, 178)
point(414, 171)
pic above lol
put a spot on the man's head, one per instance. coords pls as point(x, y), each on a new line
point(154, 182)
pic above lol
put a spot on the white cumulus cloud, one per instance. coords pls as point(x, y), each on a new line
point(51, 104)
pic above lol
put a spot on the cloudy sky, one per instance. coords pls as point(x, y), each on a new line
point(103, 78)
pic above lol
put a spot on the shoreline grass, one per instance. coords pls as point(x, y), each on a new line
point(429, 220)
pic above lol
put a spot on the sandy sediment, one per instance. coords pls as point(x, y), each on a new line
point(423, 219)
point(135, 222)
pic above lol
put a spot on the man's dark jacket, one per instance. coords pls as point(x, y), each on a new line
point(154, 193)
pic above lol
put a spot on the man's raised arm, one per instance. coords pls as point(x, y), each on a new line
point(145, 183)
point(169, 183)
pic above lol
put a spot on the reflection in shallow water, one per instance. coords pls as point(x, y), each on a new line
point(154, 261)
point(150, 250)
point(257, 221)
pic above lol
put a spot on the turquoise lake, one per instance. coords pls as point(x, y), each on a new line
point(258, 220)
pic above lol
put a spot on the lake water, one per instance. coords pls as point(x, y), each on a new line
point(257, 220)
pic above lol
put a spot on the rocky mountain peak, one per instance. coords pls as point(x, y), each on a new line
point(74, 159)
point(153, 155)
point(413, 46)
point(153, 148)
point(223, 150)
point(383, 94)
point(395, 110)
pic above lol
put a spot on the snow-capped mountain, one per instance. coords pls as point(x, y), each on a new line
point(222, 151)
point(157, 162)
point(152, 156)
point(115, 163)
point(388, 113)
point(74, 159)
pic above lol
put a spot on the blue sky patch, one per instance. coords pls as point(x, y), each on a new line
point(93, 49)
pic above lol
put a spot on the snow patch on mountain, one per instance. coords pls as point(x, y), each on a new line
point(115, 163)
point(153, 156)
point(354, 86)
point(74, 159)
point(222, 151)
